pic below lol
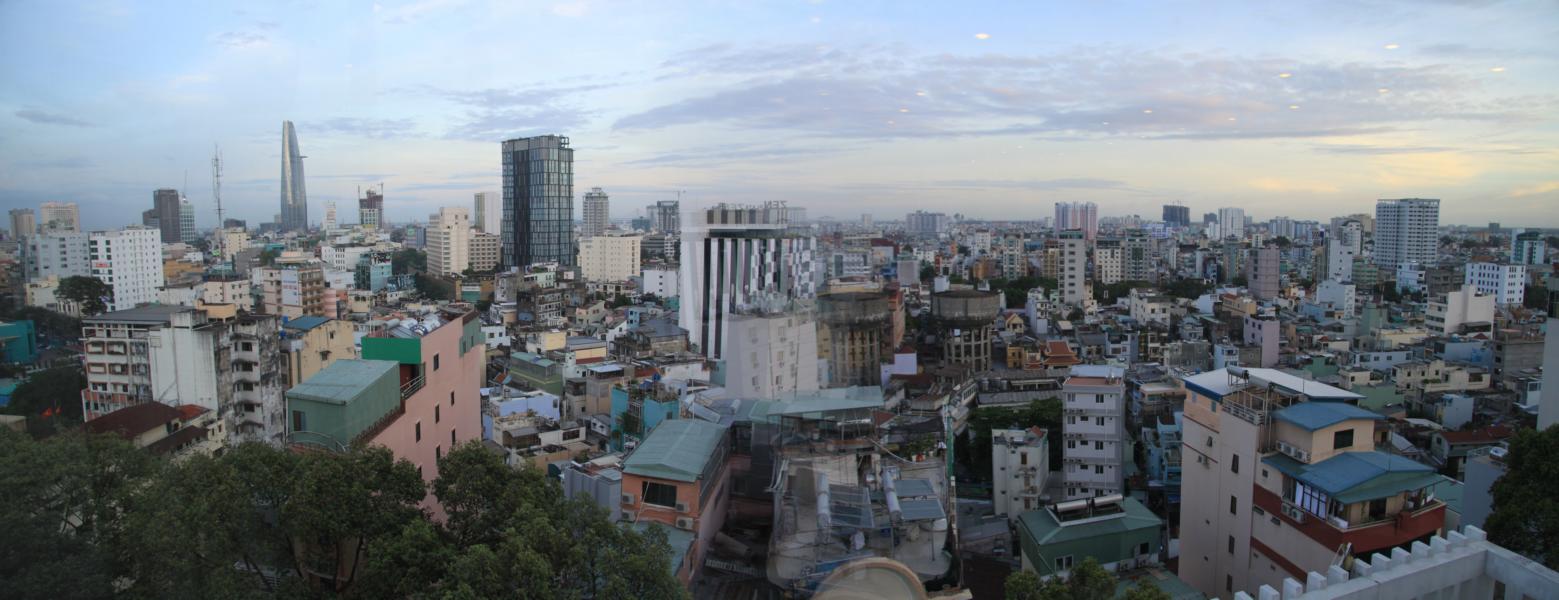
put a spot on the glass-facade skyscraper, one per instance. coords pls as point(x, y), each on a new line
point(294, 200)
point(538, 201)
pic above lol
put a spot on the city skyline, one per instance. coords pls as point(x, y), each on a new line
point(1300, 111)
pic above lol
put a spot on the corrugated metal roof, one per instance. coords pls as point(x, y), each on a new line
point(343, 380)
point(1044, 529)
point(675, 450)
point(1358, 476)
point(922, 509)
point(910, 488)
point(1312, 416)
point(305, 323)
point(1217, 384)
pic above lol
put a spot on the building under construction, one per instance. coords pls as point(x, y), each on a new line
point(965, 324)
point(851, 336)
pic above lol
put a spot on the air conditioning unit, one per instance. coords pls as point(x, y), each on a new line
point(1294, 512)
point(630, 516)
point(685, 523)
point(681, 507)
point(628, 499)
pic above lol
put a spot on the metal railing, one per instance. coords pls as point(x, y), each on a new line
point(411, 387)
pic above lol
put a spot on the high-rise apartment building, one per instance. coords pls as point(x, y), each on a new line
point(1082, 216)
point(927, 223)
point(666, 216)
point(597, 213)
point(187, 231)
point(294, 287)
point(1109, 261)
point(1176, 215)
point(538, 201)
point(488, 217)
point(449, 241)
point(370, 210)
point(1020, 462)
point(1406, 231)
point(485, 250)
point(1093, 402)
point(1345, 244)
point(1281, 478)
point(1073, 267)
point(609, 257)
point(1528, 247)
point(1231, 223)
point(1262, 273)
point(165, 210)
point(330, 216)
point(59, 216)
point(130, 262)
point(23, 223)
point(57, 253)
point(1137, 257)
point(772, 353)
point(735, 257)
point(1506, 282)
point(294, 197)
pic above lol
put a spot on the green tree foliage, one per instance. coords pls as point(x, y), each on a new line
point(973, 449)
point(1190, 289)
point(268, 256)
point(87, 291)
point(1017, 290)
point(1526, 516)
point(1536, 297)
point(1108, 294)
point(927, 272)
point(94, 517)
point(408, 260)
point(50, 399)
point(1086, 581)
point(1146, 590)
point(433, 288)
point(1282, 242)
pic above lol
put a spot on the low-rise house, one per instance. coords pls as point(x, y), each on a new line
point(1118, 532)
point(174, 431)
point(677, 477)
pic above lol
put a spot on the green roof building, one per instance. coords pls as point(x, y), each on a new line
point(342, 401)
point(1118, 532)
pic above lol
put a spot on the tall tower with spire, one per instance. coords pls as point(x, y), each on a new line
point(294, 199)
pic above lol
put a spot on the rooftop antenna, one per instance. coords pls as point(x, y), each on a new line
point(216, 194)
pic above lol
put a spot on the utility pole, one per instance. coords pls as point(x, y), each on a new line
point(216, 194)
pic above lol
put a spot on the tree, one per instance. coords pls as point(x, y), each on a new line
point(432, 288)
point(1536, 297)
point(1282, 242)
point(1189, 289)
point(86, 291)
point(1086, 581)
point(1525, 517)
point(408, 260)
point(201, 244)
point(268, 256)
point(1144, 589)
point(50, 399)
point(927, 272)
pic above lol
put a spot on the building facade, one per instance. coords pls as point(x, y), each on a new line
point(1262, 274)
point(538, 201)
point(1505, 282)
point(1020, 461)
point(130, 262)
point(59, 216)
point(609, 257)
point(1082, 216)
point(487, 216)
point(771, 355)
point(1073, 267)
point(1406, 231)
point(486, 249)
point(58, 253)
point(597, 213)
point(1095, 432)
point(449, 241)
point(23, 223)
point(370, 210)
point(735, 257)
point(294, 197)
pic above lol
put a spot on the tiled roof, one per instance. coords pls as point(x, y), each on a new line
point(675, 450)
point(1317, 415)
point(1358, 476)
point(1486, 435)
point(134, 420)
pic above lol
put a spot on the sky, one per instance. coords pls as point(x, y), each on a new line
point(992, 110)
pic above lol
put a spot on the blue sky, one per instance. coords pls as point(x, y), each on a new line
point(993, 110)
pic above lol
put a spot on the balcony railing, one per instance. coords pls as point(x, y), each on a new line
point(411, 387)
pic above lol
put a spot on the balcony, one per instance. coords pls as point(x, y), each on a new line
point(411, 387)
point(1090, 411)
point(1427, 517)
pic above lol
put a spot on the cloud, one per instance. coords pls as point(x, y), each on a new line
point(1378, 150)
point(364, 127)
point(1535, 190)
point(241, 39)
point(1274, 184)
point(1068, 183)
point(47, 118)
point(890, 92)
point(406, 14)
point(493, 114)
point(714, 155)
point(72, 162)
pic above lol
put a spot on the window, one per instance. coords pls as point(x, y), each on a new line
point(1064, 563)
point(1235, 465)
point(1099, 421)
point(1072, 444)
point(438, 453)
point(660, 494)
point(297, 421)
point(436, 414)
point(1023, 459)
point(1228, 583)
point(1342, 439)
point(1231, 544)
point(1234, 505)
point(451, 438)
point(1098, 445)
point(451, 398)
point(419, 431)
point(435, 362)
point(1257, 510)
point(1098, 469)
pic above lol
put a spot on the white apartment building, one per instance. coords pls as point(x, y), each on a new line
point(771, 354)
point(129, 260)
point(1109, 262)
point(1506, 282)
point(1340, 296)
point(1281, 478)
point(234, 240)
point(1452, 312)
point(609, 257)
point(449, 241)
point(660, 280)
point(1406, 231)
point(1347, 242)
point(1093, 405)
point(343, 258)
point(1074, 267)
point(485, 249)
point(1231, 223)
point(57, 253)
point(597, 213)
point(329, 223)
point(59, 216)
point(1020, 462)
point(488, 217)
point(735, 257)
point(1148, 306)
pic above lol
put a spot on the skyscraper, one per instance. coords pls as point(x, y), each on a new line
point(735, 258)
point(165, 205)
point(186, 221)
point(330, 215)
point(370, 210)
point(1082, 216)
point(1231, 223)
point(665, 218)
point(1406, 231)
point(294, 199)
point(597, 213)
point(489, 213)
point(59, 216)
point(538, 201)
point(449, 241)
point(1177, 216)
point(22, 223)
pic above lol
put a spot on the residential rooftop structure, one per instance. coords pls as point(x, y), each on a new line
point(677, 477)
point(1117, 531)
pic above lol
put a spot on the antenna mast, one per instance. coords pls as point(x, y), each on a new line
point(216, 194)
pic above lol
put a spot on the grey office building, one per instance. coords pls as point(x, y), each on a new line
point(294, 198)
point(538, 201)
point(167, 205)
